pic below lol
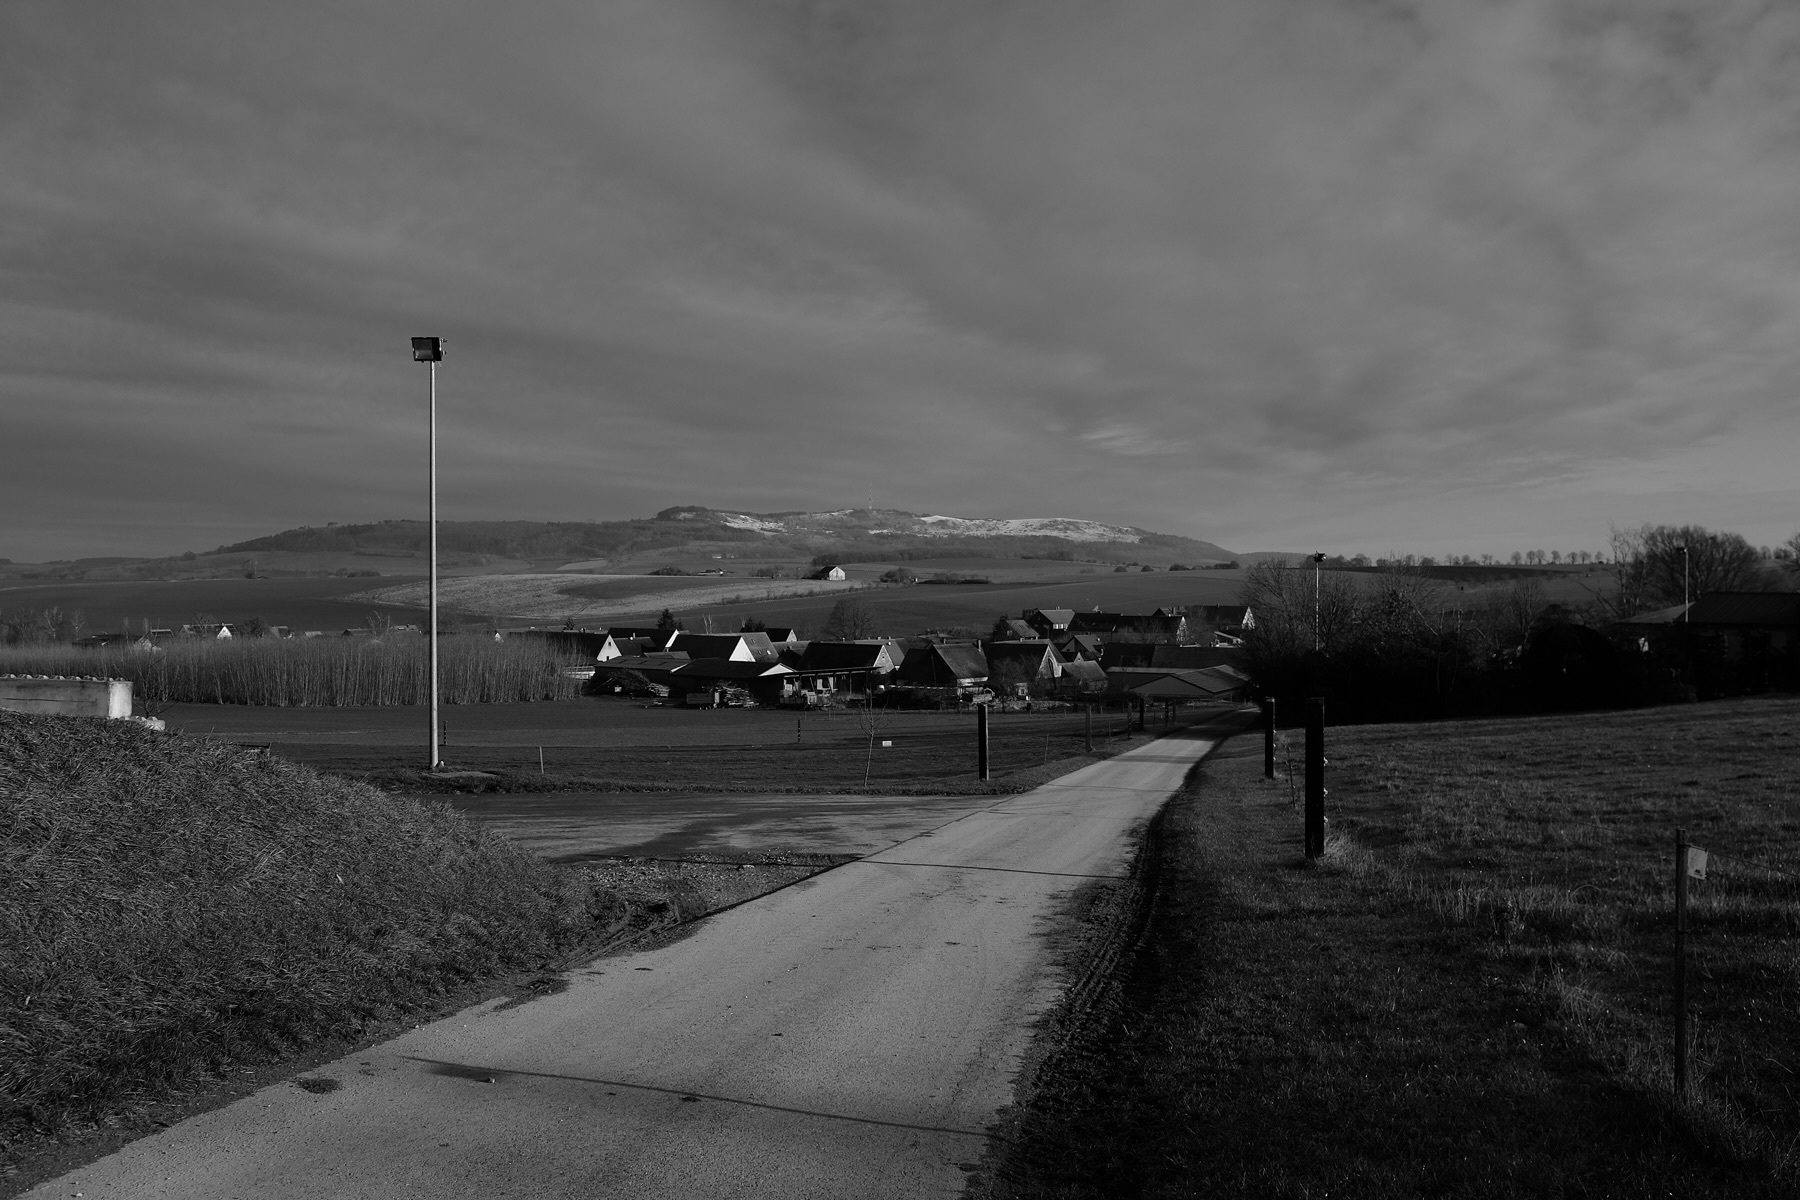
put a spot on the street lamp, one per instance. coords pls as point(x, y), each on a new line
point(431, 350)
point(1316, 559)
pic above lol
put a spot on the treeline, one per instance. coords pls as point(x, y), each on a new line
point(1397, 644)
point(314, 672)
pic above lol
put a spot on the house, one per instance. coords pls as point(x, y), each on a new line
point(765, 681)
point(781, 637)
point(835, 574)
point(1081, 677)
point(1013, 630)
point(1031, 663)
point(647, 633)
point(734, 647)
point(1227, 618)
point(1746, 623)
point(1049, 621)
point(1079, 645)
point(632, 673)
point(577, 643)
point(832, 667)
point(944, 666)
point(1133, 627)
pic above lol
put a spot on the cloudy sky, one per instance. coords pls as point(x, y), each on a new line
point(1380, 275)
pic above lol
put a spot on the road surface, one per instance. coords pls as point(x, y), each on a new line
point(853, 1035)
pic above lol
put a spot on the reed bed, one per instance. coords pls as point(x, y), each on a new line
point(314, 672)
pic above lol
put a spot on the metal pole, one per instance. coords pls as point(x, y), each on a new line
point(1681, 1039)
point(1315, 776)
point(433, 628)
point(981, 739)
point(1315, 604)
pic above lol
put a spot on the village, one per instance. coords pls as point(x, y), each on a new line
point(1043, 657)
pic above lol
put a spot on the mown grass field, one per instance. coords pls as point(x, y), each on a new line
point(1470, 994)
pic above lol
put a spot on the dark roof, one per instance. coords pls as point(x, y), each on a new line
point(944, 665)
point(723, 645)
point(1084, 670)
point(1191, 658)
point(1222, 614)
point(1746, 608)
point(1032, 650)
point(1058, 617)
point(841, 656)
point(1020, 630)
point(724, 668)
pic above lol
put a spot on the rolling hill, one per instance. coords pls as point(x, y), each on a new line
point(850, 535)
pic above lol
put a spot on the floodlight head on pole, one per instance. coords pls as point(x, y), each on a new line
point(428, 349)
point(1319, 558)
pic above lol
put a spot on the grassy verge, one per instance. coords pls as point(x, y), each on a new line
point(1468, 995)
point(178, 912)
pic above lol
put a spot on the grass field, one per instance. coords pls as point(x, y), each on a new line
point(677, 750)
point(168, 604)
point(1469, 996)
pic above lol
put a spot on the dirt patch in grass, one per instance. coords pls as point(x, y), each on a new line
point(1467, 996)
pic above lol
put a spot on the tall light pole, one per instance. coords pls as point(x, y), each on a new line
point(1317, 559)
point(431, 350)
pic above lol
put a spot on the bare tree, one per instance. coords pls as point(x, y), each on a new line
point(1713, 562)
point(850, 619)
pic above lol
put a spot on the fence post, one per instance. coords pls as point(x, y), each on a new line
point(1089, 731)
point(981, 739)
point(1140, 714)
point(1315, 776)
point(1681, 1040)
point(1268, 724)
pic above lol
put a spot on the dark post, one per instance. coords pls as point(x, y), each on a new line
point(1089, 710)
point(1140, 714)
point(1315, 776)
point(1268, 718)
point(981, 739)
point(1681, 1039)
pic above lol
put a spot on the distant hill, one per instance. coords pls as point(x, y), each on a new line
point(851, 535)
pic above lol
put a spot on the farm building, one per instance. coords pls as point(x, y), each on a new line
point(1133, 627)
point(1081, 677)
point(765, 681)
point(944, 666)
point(834, 667)
point(1229, 618)
point(1047, 622)
point(1172, 658)
point(1033, 663)
point(735, 647)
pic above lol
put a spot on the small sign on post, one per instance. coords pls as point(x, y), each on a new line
point(1690, 863)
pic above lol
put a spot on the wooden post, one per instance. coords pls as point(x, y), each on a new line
point(981, 739)
point(1089, 731)
point(1681, 1039)
point(540, 760)
point(1268, 723)
point(1140, 714)
point(1315, 776)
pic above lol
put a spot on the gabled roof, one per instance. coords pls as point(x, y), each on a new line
point(846, 656)
point(1778, 609)
point(1020, 630)
point(1084, 670)
point(1056, 617)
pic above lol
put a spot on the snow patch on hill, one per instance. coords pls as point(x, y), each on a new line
point(1062, 527)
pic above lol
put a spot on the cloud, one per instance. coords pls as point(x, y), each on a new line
point(1217, 268)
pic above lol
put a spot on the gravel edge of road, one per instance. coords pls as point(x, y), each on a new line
point(1098, 936)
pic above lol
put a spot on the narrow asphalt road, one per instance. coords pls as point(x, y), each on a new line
point(853, 1035)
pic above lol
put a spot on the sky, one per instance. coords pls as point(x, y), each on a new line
point(1453, 276)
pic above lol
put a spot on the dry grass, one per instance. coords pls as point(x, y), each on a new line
point(1468, 995)
point(174, 905)
point(329, 671)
